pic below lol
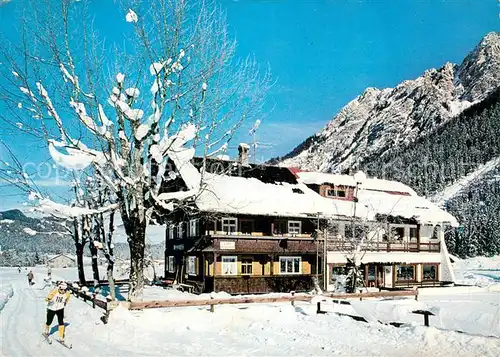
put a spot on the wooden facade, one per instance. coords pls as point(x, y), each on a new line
point(243, 254)
point(258, 253)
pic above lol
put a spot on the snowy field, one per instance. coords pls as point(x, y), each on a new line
point(261, 329)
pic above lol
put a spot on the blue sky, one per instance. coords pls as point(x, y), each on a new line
point(322, 53)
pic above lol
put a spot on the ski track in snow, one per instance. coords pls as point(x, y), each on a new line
point(23, 317)
point(246, 330)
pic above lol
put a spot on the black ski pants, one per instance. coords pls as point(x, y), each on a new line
point(58, 313)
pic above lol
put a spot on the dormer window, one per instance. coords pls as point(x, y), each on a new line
point(332, 192)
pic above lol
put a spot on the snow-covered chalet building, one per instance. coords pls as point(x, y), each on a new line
point(259, 228)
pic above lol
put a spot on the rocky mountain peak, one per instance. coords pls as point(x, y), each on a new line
point(381, 120)
point(480, 70)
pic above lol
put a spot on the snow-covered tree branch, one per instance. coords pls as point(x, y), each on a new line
point(174, 89)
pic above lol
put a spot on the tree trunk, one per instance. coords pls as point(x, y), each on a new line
point(136, 240)
point(95, 265)
point(91, 230)
point(79, 262)
point(79, 252)
point(110, 257)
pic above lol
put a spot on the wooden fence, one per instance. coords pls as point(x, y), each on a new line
point(90, 283)
point(292, 298)
point(88, 296)
point(375, 294)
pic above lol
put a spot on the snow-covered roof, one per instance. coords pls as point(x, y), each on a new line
point(319, 178)
point(416, 207)
point(239, 195)
point(374, 195)
point(230, 194)
point(386, 185)
point(374, 184)
point(249, 195)
point(52, 257)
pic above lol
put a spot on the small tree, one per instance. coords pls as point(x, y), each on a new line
point(37, 258)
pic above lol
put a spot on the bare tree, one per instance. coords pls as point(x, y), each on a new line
point(82, 218)
point(175, 89)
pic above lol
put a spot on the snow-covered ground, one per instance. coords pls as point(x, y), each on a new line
point(479, 271)
point(257, 329)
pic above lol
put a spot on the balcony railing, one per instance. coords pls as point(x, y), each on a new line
point(258, 234)
point(377, 246)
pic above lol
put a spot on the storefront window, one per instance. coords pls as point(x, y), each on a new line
point(406, 273)
point(339, 270)
point(429, 272)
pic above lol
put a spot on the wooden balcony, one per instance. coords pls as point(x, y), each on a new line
point(377, 246)
point(256, 235)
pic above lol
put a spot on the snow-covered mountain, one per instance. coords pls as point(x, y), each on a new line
point(26, 240)
point(380, 121)
point(439, 134)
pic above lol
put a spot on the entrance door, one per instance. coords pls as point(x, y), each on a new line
point(380, 276)
point(370, 275)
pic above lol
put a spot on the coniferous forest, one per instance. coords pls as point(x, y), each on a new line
point(454, 150)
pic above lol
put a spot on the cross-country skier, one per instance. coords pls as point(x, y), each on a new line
point(56, 301)
point(30, 278)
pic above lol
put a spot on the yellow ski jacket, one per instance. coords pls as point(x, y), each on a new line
point(56, 300)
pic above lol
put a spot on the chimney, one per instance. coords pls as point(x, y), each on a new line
point(243, 150)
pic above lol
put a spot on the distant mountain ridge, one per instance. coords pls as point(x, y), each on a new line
point(378, 122)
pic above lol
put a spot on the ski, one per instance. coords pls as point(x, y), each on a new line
point(69, 346)
point(47, 338)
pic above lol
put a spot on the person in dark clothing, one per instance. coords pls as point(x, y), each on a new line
point(30, 278)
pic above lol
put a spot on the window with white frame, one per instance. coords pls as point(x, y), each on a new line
point(193, 227)
point(229, 265)
point(171, 231)
point(170, 266)
point(191, 266)
point(290, 265)
point(294, 227)
point(229, 225)
point(246, 266)
point(180, 230)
